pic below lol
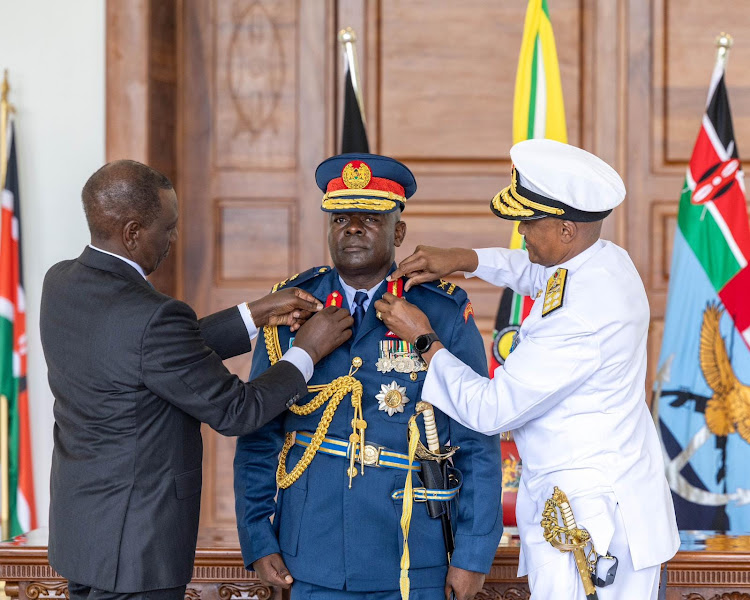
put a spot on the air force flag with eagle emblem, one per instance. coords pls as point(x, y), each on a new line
point(702, 386)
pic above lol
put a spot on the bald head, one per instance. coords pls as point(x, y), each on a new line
point(120, 192)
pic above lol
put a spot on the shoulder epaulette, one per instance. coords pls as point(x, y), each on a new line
point(301, 277)
point(446, 288)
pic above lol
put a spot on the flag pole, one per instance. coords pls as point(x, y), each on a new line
point(5, 110)
point(348, 38)
point(4, 460)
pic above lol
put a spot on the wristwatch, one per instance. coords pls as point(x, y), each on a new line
point(423, 342)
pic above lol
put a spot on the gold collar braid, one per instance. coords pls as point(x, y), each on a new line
point(335, 392)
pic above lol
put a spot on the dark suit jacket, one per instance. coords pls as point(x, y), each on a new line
point(134, 373)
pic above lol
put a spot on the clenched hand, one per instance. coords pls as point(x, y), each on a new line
point(271, 570)
point(290, 307)
point(324, 332)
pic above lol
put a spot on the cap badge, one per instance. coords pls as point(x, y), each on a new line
point(356, 175)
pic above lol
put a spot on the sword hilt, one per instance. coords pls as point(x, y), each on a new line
point(430, 428)
point(568, 538)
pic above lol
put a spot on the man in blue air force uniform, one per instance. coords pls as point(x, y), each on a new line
point(336, 530)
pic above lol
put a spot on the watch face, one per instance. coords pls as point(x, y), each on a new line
point(423, 342)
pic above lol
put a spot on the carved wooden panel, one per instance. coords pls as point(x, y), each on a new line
point(255, 99)
point(663, 227)
point(246, 251)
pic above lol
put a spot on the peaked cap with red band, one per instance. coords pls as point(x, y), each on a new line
point(364, 183)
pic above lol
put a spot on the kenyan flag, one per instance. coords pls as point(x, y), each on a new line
point(702, 388)
point(538, 112)
point(19, 487)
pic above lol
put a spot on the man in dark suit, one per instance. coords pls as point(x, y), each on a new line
point(134, 374)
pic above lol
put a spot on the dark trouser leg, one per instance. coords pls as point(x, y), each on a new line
point(81, 592)
point(76, 591)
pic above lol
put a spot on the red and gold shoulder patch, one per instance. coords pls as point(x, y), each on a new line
point(469, 310)
point(334, 299)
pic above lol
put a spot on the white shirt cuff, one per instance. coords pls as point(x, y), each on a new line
point(479, 264)
point(300, 359)
point(247, 318)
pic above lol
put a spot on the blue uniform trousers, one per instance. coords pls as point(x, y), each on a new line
point(309, 591)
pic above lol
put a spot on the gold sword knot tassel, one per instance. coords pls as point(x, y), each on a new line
point(568, 537)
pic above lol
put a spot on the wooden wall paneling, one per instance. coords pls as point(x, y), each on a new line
point(255, 120)
point(127, 79)
point(141, 98)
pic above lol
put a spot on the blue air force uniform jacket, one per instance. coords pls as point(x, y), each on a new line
point(336, 537)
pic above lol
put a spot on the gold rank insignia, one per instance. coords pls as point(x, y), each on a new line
point(553, 297)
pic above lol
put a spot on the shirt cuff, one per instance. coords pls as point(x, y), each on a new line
point(300, 359)
point(247, 318)
point(479, 264)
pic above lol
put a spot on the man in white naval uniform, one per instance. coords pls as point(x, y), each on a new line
point(573, 388)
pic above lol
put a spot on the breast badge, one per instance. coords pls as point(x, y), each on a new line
point(392, 398)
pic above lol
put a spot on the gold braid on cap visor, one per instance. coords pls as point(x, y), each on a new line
point(378, 200)
point(509, 202)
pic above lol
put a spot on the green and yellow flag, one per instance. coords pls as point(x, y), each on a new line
point(538, 112)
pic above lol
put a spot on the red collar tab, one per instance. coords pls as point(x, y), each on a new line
point(396, 288)
point(334, 299)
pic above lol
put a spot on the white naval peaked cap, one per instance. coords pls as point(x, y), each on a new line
point(552, 179)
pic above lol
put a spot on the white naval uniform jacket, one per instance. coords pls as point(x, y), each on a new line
point(573, 392)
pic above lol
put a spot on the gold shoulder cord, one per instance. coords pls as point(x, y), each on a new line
point(335, 392)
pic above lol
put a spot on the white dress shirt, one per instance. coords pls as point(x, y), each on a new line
point(350, 292)
point(297, 356)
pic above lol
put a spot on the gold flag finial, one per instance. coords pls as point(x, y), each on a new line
point(5, 109)
point(347, 35)
point(724, 42)
point(348, 39)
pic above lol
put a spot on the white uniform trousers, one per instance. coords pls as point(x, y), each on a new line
point(559, 578)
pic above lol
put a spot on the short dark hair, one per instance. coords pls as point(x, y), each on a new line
point(121, 191)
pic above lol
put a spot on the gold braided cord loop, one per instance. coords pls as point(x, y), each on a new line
point(335, 391)
point(406, 510)
point(273, 346)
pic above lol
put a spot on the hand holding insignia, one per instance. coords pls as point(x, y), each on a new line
point(403, 318)
point(324, 332)
point(429, 264)
point(290, 307)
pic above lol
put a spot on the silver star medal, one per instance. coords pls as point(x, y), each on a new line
point(392, 398)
